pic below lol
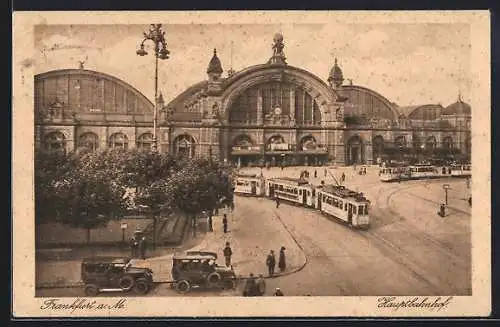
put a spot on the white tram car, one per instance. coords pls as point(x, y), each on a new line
point(252, 185)
point(294, 190)
point(422, 172)
point(390, 174)
point(341, 203)
point(461, 171)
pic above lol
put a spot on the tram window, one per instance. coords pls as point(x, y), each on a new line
point(366, 209)
point(314, 192)
point(341, 205)
point(354, 210)
point(345, 207)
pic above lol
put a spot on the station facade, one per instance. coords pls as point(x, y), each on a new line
point(270, 113)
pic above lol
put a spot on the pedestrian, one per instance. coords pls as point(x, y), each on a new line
point(271, 263)
point(224, 223)
point(364, 171)
point(227, 254)
point(326, 172)
point(142, 247)
point(470, 201)
point(249, 286)
point(133, 246)
point(315, 173)
point(278, 292)
point(342, 178)
point(210, 225)
point(281, 260)
point(261, 283)
point(442, 210)
point(277, 202)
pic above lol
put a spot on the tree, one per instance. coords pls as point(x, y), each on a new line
point(199, 186)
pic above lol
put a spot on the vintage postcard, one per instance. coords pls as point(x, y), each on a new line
point(235, 164)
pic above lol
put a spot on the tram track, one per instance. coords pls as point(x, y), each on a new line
point(418, 271)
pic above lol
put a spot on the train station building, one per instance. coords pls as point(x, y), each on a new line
point(267, 113)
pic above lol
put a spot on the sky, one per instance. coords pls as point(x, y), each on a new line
point(409, 64)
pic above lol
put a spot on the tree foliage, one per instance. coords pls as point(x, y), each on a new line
point(86, 189)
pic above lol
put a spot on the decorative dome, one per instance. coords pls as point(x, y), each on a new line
point(215, 66)
point(458, 108)
point(336, 76)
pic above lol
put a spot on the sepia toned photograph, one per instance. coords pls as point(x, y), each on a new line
point(214, 162)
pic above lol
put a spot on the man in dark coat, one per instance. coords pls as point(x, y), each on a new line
point(142, 247)
point(261, 283)
point(227, 254)
point(277, 202)
point(271, 262)
point(134, 246)
point(282, 261)
point(315, 173)
point(210, 223)
point(250, 286)
point(224, 223)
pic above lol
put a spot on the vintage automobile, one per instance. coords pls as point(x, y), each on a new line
point(194, 269)
point(114, 274)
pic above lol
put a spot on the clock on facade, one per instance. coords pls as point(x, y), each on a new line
point(277, 111)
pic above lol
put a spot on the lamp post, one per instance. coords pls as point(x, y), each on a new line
point(446, 187)
point(156, 35)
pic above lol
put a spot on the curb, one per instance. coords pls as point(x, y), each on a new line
point(306, 261)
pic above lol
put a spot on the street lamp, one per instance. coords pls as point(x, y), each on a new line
point(446, 187)
point(156, 35)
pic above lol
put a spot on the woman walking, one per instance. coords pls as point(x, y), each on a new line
point(282, 261)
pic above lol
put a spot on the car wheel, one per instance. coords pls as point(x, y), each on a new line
point(91, 290)
point(126, 283)
point(141, 286)
point(213, 279)
point(182, 286)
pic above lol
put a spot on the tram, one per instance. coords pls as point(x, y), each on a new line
point(343, 204)
point(249, 184)
point(391, 174)
point(294, 190)
point(422, 171)
point(461, 170)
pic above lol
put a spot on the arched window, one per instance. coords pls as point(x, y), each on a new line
point(89, 141)
point(243, 141)
point(184, 145)
point(308, 143)
point(448, 142)
point(55, 141)
point(276, 142)
point(118, 141)
point(145, 142)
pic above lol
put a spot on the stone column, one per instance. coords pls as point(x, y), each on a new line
point(259, 106)
point(368, 153)
point(292, 106)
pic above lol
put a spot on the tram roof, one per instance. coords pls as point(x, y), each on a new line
point(290, 180)
point(243, 175)
point(343, 192)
